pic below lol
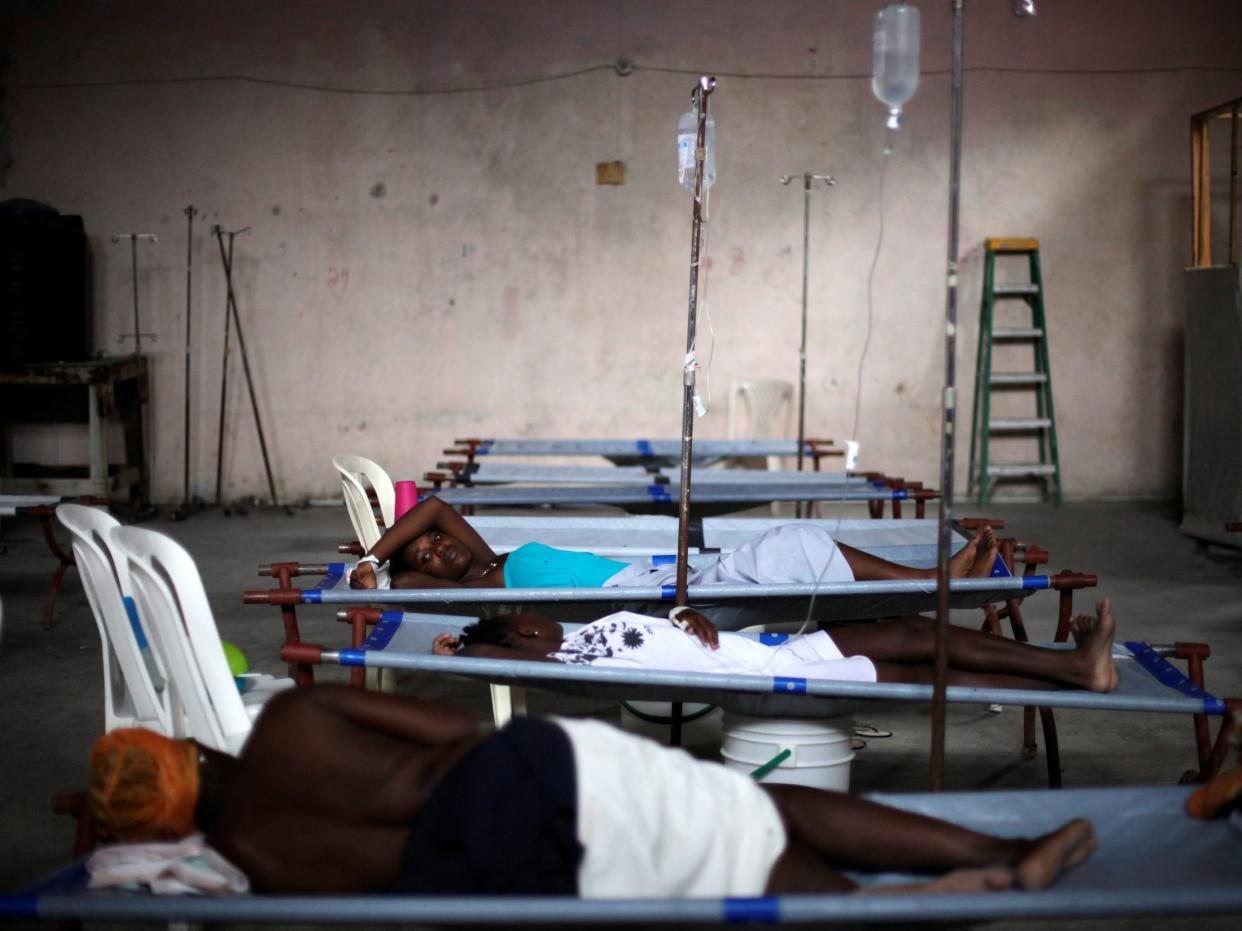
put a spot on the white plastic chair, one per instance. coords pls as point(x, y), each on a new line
point(173, 605)
point(768, 406)
point(356, 473)
point(135, 683)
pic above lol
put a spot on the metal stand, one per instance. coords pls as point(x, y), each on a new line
point(702, 90)
point(949, 413)
point(224, 364)
point(808, 181)
point(226, 259)
point(185, 510)
point(137, 335)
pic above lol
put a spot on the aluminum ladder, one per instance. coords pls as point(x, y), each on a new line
point(984, 472)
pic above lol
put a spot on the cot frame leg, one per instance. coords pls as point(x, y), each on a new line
point(507, 701)
point(66, 560)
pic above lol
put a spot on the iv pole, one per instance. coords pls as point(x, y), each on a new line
point(699, 96)
point(949, 413)
point(808, 180)
point(1021, 9)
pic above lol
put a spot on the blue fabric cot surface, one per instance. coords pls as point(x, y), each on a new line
point(1152, 860)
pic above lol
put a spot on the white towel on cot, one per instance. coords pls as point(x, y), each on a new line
point(187, 866)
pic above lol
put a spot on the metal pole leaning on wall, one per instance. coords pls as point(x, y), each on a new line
point(808, 180)
point(137, 335)
point(701, 92)
point(189, 269)
point(949, 412)
point(224, 361)
point(226, 260)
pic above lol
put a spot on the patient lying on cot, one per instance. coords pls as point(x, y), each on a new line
point(348, 791)
point(901, 650)
point(432, 546)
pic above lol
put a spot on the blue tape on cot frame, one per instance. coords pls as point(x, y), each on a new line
point(900, 494)
point(353, 657)
point(483, 448)
point(1035, 582)
point(761, 910)
point(335, 573)
point(131, 611)
point(668, 592)
point(772, 639)
point(385, 630)
point(789, 685)
point(663, 559)
point(644, 448)
point(659, 493)
point(312, 596)
point(1171, 677)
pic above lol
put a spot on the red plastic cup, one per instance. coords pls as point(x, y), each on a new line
point(407, 497)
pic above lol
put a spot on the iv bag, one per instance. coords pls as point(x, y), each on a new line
point(687, 136)
point(895, 58)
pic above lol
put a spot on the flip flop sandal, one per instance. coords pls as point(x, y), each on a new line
point(870, 730)
point(857, 743)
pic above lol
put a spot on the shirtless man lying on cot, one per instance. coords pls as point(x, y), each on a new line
point(432, 546)
point(901, 650)
point(342, 790)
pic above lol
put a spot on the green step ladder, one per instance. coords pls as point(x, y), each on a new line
point(984, 472)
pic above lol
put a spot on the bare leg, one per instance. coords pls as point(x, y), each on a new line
point(974, 559)
point(830, 831)
point(905, 648)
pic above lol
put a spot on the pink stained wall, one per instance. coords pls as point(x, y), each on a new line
point(428, 265)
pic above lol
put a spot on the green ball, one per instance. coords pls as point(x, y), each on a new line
point(238, 664)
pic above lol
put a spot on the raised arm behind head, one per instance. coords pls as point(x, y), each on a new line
point(432, 546)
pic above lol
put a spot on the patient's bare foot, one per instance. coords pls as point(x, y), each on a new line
point(1094, 636)
point(972, 879)
point(964, 880)
point(964, 558)
point(1055, 853)
point(986, 557)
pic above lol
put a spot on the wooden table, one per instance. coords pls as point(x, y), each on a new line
point(96, 392)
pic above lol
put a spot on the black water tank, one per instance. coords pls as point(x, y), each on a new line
point(44, 285)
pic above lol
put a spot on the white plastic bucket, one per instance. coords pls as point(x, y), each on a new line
point(819, 751)
point(700, 723)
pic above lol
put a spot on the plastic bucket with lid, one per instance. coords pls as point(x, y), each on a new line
point(819, 751)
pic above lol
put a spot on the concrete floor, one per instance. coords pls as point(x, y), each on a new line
point(1164, 587)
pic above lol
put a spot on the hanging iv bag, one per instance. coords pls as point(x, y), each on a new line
point(895, 58)
point(687, 136)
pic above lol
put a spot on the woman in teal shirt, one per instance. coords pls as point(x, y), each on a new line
point(432, 546)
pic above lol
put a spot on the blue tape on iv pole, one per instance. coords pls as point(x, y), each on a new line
point(131, 611)
point(1171, 677)
point(763, 910)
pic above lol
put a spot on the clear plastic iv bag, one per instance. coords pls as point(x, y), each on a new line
point(895, 58)
point(687, 136)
